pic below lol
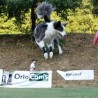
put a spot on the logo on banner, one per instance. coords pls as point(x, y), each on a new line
point(74, 74)
point(39, 77)
point(19, 76)
point(77, 74)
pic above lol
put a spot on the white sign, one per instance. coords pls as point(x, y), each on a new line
point(77, 74)
point(1, 74)
point(27, 79)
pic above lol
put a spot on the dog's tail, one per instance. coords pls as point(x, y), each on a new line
point(44, 10)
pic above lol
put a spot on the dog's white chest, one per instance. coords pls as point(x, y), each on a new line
point(50, 34)
point(49, 39)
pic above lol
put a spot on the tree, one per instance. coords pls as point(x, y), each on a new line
point(3, 4)
point(62, 6)
point(95, 4)
point(18, 8)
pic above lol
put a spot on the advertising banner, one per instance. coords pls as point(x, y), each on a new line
point(77, 74)
point(27, 79)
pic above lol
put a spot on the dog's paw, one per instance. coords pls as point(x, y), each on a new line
point(60, 52)
point(46, 55)
point(51, 54)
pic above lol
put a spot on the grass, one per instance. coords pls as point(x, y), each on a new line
point(86, 92)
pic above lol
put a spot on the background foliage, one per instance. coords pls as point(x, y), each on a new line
point(82, 19)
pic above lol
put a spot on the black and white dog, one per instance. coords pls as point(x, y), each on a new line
point(47, 33)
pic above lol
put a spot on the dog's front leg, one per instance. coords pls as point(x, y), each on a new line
point(60, 49)
point(51, 48)
point(56, 41)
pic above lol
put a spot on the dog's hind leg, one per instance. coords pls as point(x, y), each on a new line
point(43, 47)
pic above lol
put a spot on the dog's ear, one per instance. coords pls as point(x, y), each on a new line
point(64, 24)
point(57, 24)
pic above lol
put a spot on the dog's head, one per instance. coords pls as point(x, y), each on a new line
point(59, 27)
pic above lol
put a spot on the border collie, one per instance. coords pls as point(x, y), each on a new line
point(47, 33)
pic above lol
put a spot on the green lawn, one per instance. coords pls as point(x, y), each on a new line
point(49, 93)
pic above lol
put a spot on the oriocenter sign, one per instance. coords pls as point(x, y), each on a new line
point(38, 79)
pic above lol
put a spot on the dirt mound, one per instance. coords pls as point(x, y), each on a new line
point(17, 52)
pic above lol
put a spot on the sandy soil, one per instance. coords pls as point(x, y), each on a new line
point(17, 52)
